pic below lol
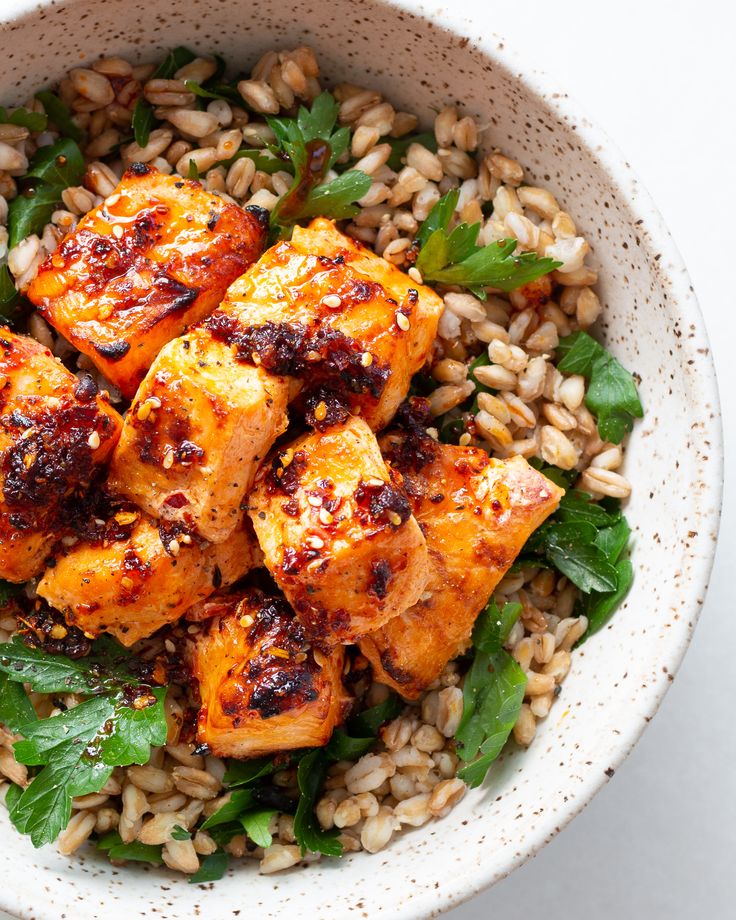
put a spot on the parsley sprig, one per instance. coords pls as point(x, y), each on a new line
point(311, 145)
point(492, 693)
point(612, 395)
point(77, 750)
point(454, 257)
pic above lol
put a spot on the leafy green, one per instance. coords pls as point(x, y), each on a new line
point(10, 297)
point(113, 845)
point(370, 720)
point(492, 694)
point(180, 833)
point(60, 164)
point(342, 746)
point(239, 801)
point(400, 145)
point(192, 172)
point(453, 256)
point(15, 707)
point(255, 824)
point(309, 835)
point(312, 145)
point(247, 772)
point(215, 91)
point(212, 869)
point(23, 118)
point(78, 748)
point(612, 395)
point(12, 794)
point(143, 118)
point(265, 161)
point(60, 115)
point(52, 169)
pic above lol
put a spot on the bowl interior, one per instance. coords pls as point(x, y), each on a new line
point(652, 324)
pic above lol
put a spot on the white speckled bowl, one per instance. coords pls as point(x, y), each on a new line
point(651, 322)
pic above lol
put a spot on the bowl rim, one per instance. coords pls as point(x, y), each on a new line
point(462, 886)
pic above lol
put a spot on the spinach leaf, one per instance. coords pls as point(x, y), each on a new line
point(309, 835)
point(492, 694)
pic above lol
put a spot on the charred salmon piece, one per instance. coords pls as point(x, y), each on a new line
point(337, 533)
point(195, 434)
point(476, 514)
point(56, 431)
point(263, 688)
point(137, 577)
point(323, 308)
point(155, 257)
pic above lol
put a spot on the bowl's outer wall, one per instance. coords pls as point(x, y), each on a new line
point(651, 322)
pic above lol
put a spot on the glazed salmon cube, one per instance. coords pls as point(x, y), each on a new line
point(153, 258)
point(263, 688)
point(56, 431)
point(476, 514)
point(136, 576)
point(324, 308)
point(337, 533)
point(195, 434)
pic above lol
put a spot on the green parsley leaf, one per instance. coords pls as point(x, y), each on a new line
point(215, 91)
point(255, 823)
point(15, 707)
point(309, 835)
point(212, 869)
point(453, 256)
point(23, 118)
point(492, 694)
point(342, 746)
point(12, 794)
point(180, 833)
point(312, 145)
point(53, 168)
point(265, 161)
point(192, 172)
point(612, 395)
point(60, 115)
point(143, 118)
point(78, 748)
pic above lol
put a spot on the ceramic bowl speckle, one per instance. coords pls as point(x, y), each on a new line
point(651, 322)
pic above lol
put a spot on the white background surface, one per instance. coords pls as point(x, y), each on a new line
point(660, 840)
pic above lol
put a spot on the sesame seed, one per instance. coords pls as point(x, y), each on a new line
point(415, 275)
point(333, 301)
point(375, 482)
point(93, 440)
point(402, 321)
point(279, 652)
point(185, 538)
point(168, 460)
point(169, 646)
point(287, 457)
point(126, 582)
point(464, 439)
point(256, 358)
point(58, 631)
point(394, 518)
point(316, 542)
point(247, 620)
point(366, 359)
point(300, 657)
point(27, 433)
point(105, 312)
point(325, 516)
point(100, 522)
point(174, 547)
point(315, 501)
point(117, 231)
point(320, 412)
point(3, 381)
